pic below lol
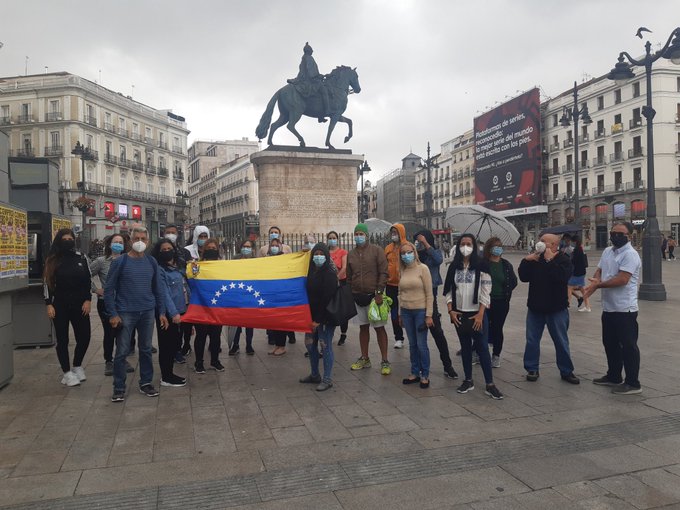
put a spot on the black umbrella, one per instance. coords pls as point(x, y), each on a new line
point(562, 229)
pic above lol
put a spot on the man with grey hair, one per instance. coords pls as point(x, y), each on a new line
point(617, 275)
point(133, 295)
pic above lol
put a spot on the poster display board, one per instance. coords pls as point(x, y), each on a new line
point(13, 242)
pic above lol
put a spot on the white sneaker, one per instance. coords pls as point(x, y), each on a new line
point(584, 309)
point(70, 379)
point(495, 361)
point(399, 344)
point(80, 373)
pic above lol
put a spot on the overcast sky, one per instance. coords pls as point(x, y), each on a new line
point(426, 67)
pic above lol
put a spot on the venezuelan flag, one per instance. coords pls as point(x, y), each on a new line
point(263, 293)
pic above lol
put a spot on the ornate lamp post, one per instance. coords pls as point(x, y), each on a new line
point(85, 155)
point(574, 114)
point(652, 288)
point(363, 205)
point(428, 164)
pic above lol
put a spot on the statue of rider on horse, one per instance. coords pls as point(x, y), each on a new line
point(312, 94)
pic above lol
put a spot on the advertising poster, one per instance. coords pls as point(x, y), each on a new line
point(59, 223)
point(508, 154)
point(13, 242)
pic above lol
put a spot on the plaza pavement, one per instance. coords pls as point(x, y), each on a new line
point(253, 437)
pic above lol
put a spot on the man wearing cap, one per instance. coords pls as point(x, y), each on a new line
point(367, 277)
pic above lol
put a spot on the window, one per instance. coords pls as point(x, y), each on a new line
point(600, 102)
point(89, 175)
point(636, 89)
point(584, 188)
point(55, 139)
point(554, 120)
point(108, 148)
point(570, 188)
point(54, 106)
point(27, 143)
point(135, 129)
point(161, 162)
point(4, 113)
point(617, 118)
point(556, 190)
point(618, 181)
point(137, 183)
point(123, 180)
point(147, 131)
point(89, 140)
point(617, 96)
point(149, 186)
point(123, 153)
point(637, 177)
point(555, 166)
point(109, 178)
point(136, 156)
point(162, 187)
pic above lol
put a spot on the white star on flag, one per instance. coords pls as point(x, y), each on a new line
point(249, 288)
point(261, 302)
point(232, 285)
point(213, 301)
point(256, 294)
point(241, 285)
point(224, 288)
point(217, 294)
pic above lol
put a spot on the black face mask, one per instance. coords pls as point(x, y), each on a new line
point(68, 245)
point(211, 255)
point(166, 256)
point(618, 239)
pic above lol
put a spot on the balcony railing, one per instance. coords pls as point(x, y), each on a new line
point(149, 140)
point(123, 132)
point(150, 169)
point(163, 145)
point(599, 161)
point(124, 162)
point(568, 143)
point(635, 185)
point(89, 119)
point(584, 138)
point(109, 127)
point(616, 157)
point(110, 159)
point(555, 147)
point(600, 134)
point(26, 119)
point(617, 129)
point(636, 152)
point(5, 121)
point(177, 149)
point(26, 152)
point(567, 169)
point(162, 171)
point(178, 174)
point(555, 171)
point(137, 166)
point(137, 137)
point(55, 150)
point(635, 123)
point(583, 164)
point(53, 116)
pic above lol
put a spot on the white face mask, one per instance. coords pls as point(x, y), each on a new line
point(171, 237)
point(466, 251)
point(139, 246)
point(540, 247)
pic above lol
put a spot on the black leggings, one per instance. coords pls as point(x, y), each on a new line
point(168, 344)
point(392, 291)
point(109, 332)
point(279, 337)
point(438, 335)
point(497, 314)
point(204, 331)
point(186, 328)
point(81, 330)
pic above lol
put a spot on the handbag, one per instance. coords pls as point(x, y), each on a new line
point(341, 308)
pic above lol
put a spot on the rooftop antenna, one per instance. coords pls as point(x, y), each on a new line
point(132, 94)
point(46, 69)
point(100, 77)
point(26, 67)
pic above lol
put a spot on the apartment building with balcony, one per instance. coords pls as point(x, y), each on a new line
point(139, 157)
point(396, 192)
point(612, 154)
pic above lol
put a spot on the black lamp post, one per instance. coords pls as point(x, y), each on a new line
point(85, 154)
point(652, 287)
point(428, 164)
point(574, 114)
point(363, 206)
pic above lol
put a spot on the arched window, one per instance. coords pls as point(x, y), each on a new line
point(638, 209)
point(619, 210)
point(556, 217)
point(601, 212)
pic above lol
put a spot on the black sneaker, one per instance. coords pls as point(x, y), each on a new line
point(343, 337)
point(216, 365)
point(186, 350)
point(108, 368)
point(310, 379)
point(493, 392)
point(234, 350)
point(148, 390)
point(571, 378)
point(118, 396)
point(626, 389)
point(154, 350)
point(466, 386)
point(175, 381)
point(579, 301)
point(532, 376)
point(450, 373)
point(199, 368)
point(292, 339)
point(605, 381)
point(250, 351)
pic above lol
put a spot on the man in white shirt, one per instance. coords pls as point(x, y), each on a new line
point(617, 275)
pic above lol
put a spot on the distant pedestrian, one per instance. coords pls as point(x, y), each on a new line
point(672, 243)
point(68, 298)
point(275, 233)
point(664, 246)
point(246, 251)
point(577, 281)
point(547, 271)
point(617, 275)
point(339, 258)
point(397, 238)
point(446, 248)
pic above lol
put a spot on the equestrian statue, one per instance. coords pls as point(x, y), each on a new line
point(312, 94)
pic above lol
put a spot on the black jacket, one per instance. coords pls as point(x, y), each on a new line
point(321, 287)
point(547, 283)
point(578, 260)
point(510, 279)
point(71, 281)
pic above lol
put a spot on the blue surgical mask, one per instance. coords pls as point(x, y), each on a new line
point(273, 235)
point(408, 258)
point(319, 260)
point(274, 250)
point(360, 240)
point(332, 242)
point(117, 248)
point(497, 251)
point(201, 242)
point(246, 251)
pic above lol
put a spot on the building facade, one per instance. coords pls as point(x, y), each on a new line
point(396, 192)
point(138, 157)
point(612, 155)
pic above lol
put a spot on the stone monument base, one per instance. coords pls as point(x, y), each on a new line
point(306, 190)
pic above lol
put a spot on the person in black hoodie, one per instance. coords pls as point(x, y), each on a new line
point(547, 271)
point(68, 297)
point(322, 283)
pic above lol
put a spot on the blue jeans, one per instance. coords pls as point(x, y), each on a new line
point(412, 320)
point(143, 322)
point(558, 325)
point(324, 336)
point(479, 341)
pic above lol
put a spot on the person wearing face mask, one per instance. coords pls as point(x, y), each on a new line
point(467, 290)
point(133, 294)
point(176, 302)
point(275, 233)
point(211, 251)
point(503, 282)
point(432, 258)
point(322, 283)
point(194, 250)
point(367, 277)
point(275, 337)
point(114, 247)
point(68, 297)
point(339, 258)
point(618, 274)
point(547, 271)
point(415, 312)
point(398, 237)
point(246, 251)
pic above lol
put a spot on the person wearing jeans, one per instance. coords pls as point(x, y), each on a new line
point(415, 312)
point(133, 294)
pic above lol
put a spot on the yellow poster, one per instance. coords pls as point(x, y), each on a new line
point(13, 242)
point(59, 223)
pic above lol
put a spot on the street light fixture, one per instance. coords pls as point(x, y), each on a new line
point(652, 287)
point(363, 206)
point(574, 114)
point(85, 154)
point(428, 164)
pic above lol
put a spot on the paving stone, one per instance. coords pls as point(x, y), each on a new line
point(290, 436)
point(580, 490)
point(536, 500)
point(40, 462)
point(607, 502)
point(666, 481)
point(38, 487)
point(397, 423)
point(281, 415)
point(326, 501)
point(633, 491)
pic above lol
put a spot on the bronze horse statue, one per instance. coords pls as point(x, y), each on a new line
point(341, 82)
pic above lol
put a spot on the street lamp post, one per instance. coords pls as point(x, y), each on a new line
point(85, 155)
point(652, 287)
point(428, 164)
point(363, 169)
point(574, 114)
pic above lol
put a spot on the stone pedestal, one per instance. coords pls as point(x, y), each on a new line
point(306, 190)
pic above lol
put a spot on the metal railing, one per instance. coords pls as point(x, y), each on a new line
point(123, 132)
point(584, 138)
point(25, 119)
point(162, 171)
point(137, 166)
point(53, 116)
point(26, 152)
point(617, 128)
point(177, 149)
point(110, 159)
point(601, 133)
point(55, 150)
point(616, 157)
point(567, 169)
point(149, 140)
point(163, 145)
point(599, 161)
point(554, 147)
point(178, 175)
point(635, 185)
point(89, 119)
point(636, 152)
point(569, 142)
point(5, 121)
point(109, 127)
point(635, 123)
point(137, 137)
point(150, 169)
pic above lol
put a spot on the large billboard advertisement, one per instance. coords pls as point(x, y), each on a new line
point(508, 154)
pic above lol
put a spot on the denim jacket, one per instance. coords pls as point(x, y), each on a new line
point(176, 290)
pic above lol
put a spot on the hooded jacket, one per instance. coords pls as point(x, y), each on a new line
point(392, 252)
point(431, 257)
point(192, 248)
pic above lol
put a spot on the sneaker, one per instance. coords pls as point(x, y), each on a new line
point(606, 381)
point(475, 358)
point(495, 361)
point(458, 352)
point(311, 379)
point(466, 386)
point(385, 368)
point(493, 392)
point(154, 350)
point(216, 365)
point(250, 351)
point(626, 389)
point(324, 386)
point(70, 379)
point(234, 350)
point(584, 309)
point(129, 368)
point(186, 350)
point(571, 378)
point(399, 344)
point(179, 358)
point(108, 368)
point(80, 373)
point(361, 363)
point(407, 380)
point(342, 339)
point(199, 368)
point(174, 381)
point(118, 396)
point(148, 390)
point(532, 376)
point(450, 373)
point(292, 339)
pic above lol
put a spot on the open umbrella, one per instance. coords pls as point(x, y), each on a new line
point(483, 223)
point(569, 228)
point(377, 226)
